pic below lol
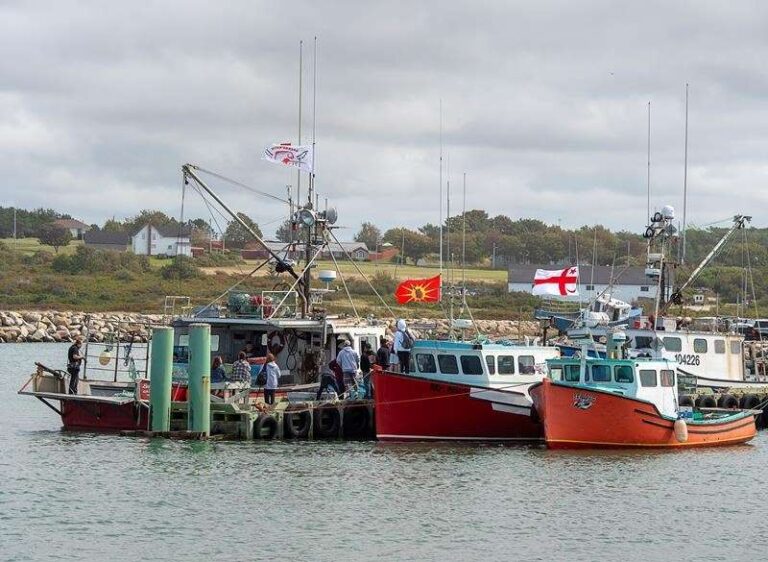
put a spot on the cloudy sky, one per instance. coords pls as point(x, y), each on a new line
point(544, 106)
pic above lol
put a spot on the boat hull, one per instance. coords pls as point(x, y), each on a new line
point(83, 415)
point(410, 408)
point(580, 417)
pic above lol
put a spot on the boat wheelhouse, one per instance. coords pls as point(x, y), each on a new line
point(461, 391)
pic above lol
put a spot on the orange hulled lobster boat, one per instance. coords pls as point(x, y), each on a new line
point(601, 403)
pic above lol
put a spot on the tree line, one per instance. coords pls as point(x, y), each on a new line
point(501, 240)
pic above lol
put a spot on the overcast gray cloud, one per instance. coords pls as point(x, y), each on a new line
point(544, 105)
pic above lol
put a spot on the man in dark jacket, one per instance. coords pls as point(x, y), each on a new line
point(382, 354)
point(74, 360)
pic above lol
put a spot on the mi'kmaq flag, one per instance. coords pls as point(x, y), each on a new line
point(562, 282)
point(301, 157)
point(419, 290)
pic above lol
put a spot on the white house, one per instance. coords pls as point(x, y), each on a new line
point(151, 240)
point(630, 286)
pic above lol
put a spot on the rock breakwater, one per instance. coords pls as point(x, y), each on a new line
point(65, 326)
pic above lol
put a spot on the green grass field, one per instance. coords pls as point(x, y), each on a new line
point(29, 246)
point(370, 269)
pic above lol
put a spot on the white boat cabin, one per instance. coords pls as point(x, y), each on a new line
point(484, 365)
point(705, 354)
point(652, 380)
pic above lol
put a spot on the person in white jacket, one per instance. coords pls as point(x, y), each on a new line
point(402, 346)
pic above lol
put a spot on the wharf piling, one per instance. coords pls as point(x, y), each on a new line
point(160, 373)
point(199, 403)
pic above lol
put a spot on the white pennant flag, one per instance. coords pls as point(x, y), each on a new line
point(562, 282)
point(301, 157)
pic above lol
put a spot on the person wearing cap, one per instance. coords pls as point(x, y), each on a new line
point(349, 361)
point(74, 360)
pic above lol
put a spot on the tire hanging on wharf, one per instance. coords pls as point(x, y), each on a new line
point(327, 422)
point(265, 427)
point(297, 423)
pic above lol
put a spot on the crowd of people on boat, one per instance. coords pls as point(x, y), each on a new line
point(348, 374)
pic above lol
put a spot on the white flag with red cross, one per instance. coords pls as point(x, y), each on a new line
point(301, 157)
point(561, 282)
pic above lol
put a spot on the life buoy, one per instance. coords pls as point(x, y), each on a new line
point(327, 422)
point(275, 342)
point(265, 427)
point(357, 422)
point(297, 423)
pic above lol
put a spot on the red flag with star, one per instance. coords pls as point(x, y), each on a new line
point(419, 290)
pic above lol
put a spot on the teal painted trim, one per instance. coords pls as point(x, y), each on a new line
point(199, 395)
point(160, 375)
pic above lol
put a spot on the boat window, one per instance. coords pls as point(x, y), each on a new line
point(647, 377)
point(448, 364)
point(699, 345)
point(719, 346)
point(673, 344)
point(471, 365)
point(572, 373)
point(556, 373)
point(506, 364)
point(426, 363)
point(643, 342)
point(526, 364)
point(667, 377)
point(601, 373)
point(735, 347)
point(623, 373)
point(490, 362)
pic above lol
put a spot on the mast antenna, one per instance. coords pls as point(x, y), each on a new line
point(648, 208)
point(441, 190)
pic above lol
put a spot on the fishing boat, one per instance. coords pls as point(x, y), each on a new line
point(288, 322)
point(461, 391)
point(617, 401)
point(708, 352)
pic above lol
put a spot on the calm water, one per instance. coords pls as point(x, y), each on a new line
point(94, 497)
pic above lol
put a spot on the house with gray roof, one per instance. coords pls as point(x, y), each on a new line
point(104, 240)
point(629, 284)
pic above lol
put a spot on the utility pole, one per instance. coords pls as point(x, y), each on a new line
point(14, 223)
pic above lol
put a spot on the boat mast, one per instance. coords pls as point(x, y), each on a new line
point(301, 70)
point(685, 176)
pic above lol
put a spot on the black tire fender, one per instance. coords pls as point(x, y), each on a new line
point(327, 422)
point(297, 423)
point(265, 427)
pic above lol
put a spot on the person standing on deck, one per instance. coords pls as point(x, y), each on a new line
point(241, 369)
point(394, 362)
point(382, 354)
point(273, 378)
point(349, 360)
point(74, 360)
point(402, 346)
point(367, 359)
